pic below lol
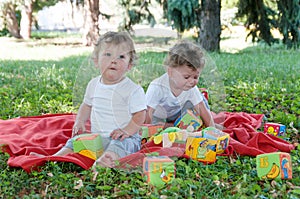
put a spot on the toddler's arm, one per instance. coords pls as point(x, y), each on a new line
point(205, 114)
point(149, 115)
point(81, 118)
point(133, 126)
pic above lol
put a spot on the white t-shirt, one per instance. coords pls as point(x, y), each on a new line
point(113, 105)
point(160, 97)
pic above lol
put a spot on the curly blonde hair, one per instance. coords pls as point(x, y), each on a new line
point(185, 53)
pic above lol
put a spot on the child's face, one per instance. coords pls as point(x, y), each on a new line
point(114, 63)
point(183, 77)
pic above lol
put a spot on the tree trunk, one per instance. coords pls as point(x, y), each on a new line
point(11, 20)
point(91, 26)
point(26, 19)
point(210, 25)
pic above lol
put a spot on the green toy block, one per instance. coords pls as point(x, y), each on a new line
point(89, 145)
point(274, 165)
point(189, 121)
point(159, 170)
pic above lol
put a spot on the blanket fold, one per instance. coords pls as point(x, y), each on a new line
point(46, 134)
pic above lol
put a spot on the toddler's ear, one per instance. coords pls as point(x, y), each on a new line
point(170, 71)
point(129, 67)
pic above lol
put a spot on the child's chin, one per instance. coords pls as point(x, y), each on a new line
point(187, 88)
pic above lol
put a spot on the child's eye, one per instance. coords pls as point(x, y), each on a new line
point(186, 77)
point(121, 57)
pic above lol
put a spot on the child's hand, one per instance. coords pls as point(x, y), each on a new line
point(78, 129)
point(119, 134)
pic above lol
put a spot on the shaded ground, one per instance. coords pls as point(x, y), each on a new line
point(232, 40)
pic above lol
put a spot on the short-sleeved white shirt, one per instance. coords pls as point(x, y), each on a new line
point(113, 105)
point(160, 97)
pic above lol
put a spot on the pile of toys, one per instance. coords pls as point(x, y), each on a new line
point(200, 143)
point(204, 144)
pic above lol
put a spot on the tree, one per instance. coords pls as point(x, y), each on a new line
point(289, 22)
point(20, 26)
point(182, 14)
point(10, 16)
point(91, 26)
point(261, 19)
point(258, 21)
point(204, 16)
point(210, 25)
point(26, 19)
point(135, 12)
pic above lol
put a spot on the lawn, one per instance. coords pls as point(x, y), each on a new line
point(48, 75)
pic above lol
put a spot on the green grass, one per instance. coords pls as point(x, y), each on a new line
point(51, 77)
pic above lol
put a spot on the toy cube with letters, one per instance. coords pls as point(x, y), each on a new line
point(201, 149)
point(89, 145)
point(221, 138)
point(274, 165)
point(189, 121)
point(274, 129)
point(159, 170)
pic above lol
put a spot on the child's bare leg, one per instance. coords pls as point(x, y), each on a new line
point(107, 159)
point(63, 151)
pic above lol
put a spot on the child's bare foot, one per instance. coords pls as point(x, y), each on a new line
point(219, 126)
point(107, 160)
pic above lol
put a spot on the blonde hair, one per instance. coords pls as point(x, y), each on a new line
point(116, 38)
point(185, 53)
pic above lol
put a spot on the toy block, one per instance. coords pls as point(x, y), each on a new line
point(89, 145)
point(221, 138)
point(169, 136)
point(201, 149)
point(158, 170)
point(174, 139)
point(274, 165)
point(205, 93)
point(189, 121)
point(148, 130)
point(274, 129)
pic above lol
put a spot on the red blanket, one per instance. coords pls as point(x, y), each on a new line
point(48, 133)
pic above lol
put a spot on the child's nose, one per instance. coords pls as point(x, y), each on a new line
point(113, 60)
point(192, 81)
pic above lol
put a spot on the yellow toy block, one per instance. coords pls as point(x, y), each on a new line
point(201, 149)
